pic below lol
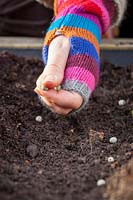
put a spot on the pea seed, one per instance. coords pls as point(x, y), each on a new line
point(39, 118)
point(101, 182)
point(45, 88)
point(110, 159)
point(57, 88)
point(113, 140)
point(121, 102)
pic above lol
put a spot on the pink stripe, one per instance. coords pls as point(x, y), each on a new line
point(82, 75)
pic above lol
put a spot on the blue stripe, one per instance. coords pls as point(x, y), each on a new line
point(78, 46)
point(45, 54)
point(71, 20)
point(82, 46)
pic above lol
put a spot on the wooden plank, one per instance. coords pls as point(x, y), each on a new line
point(21, 42)
point(117, 44)
point(36, 43)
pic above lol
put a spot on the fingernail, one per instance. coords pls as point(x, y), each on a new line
point(38, 92)
point(35, 90)
point(50, 81)
point(51, 78)
point(51, 101)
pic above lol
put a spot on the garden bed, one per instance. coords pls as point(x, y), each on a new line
point(116, 51)
point(61, 158)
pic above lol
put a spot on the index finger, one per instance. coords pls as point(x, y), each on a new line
point(64, 98)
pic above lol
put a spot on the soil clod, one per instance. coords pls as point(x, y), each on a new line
point(32, 150)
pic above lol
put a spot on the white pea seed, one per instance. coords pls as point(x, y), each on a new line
point(111, 159)
point(57, 88)
point(45, 88)
point(121, 102)
point(113, 140)
point(101, 182)
point(39, 118)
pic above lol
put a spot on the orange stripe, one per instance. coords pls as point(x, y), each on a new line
point(55, 7)
point(69, 32)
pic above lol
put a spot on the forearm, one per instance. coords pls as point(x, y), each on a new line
point(116, 8)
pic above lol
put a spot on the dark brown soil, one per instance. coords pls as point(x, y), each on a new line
point(60, 158)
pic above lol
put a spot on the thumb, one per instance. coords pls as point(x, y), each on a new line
point(57, 58)
point(53, 75)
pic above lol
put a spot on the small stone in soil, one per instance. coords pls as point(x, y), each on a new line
point(101, 182)
point(40, 172)
point(32, 150)
point(81, 160)
point(111, 159)
point(131, 145)
point(132, 113)
point(39, 118)
point(113, 140)
point(121, 102)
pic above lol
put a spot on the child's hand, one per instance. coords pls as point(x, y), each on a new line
point(62, 101)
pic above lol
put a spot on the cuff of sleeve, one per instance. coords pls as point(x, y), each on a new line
point(80, 88)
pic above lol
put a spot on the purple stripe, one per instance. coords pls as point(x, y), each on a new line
point(80, 12)
point(85, 62)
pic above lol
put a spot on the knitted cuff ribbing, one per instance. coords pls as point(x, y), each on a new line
point(116, 10)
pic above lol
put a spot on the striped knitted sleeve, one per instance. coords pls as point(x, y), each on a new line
point(83, 22)
point(116, 9)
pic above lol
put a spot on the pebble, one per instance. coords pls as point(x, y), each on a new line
point(131, 145)
point(111, 159)
point(39, 118)
point(81, 160)
point(97, 161)
point(113, 140)
point(121, 102)
point(40, 172)
point(101, 182)
point(32, 150)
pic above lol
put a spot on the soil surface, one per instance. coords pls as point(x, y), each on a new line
point(61, 158)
